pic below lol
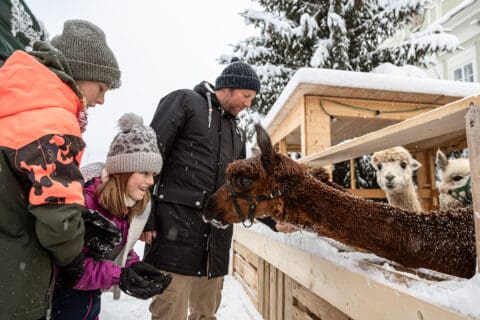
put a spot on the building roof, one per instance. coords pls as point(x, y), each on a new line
point(362, 85)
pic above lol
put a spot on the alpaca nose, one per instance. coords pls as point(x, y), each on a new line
point(209, 210)
point(389, 177)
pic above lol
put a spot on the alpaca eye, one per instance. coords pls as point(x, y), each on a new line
point(244, 182)
point(379, 166)
point(403, 165)
point(457, 178)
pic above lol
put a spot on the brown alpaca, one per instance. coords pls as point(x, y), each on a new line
point(271, 184)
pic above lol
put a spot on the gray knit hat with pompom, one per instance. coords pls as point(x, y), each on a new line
point(88, 55)
point(134, 149)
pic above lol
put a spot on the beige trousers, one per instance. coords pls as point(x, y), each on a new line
point(188, 297)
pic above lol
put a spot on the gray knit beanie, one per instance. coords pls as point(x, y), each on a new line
point(238, 75)
point(88, 55)
point(134, 149)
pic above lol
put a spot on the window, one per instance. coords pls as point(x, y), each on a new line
point(464, 73)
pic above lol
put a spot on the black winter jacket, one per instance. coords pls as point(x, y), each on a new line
point(197, 139)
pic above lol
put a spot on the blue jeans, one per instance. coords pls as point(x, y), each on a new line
point(71, 304)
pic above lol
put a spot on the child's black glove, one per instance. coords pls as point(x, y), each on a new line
point(101, 235)
point(142, 280)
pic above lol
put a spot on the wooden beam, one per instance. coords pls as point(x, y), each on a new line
point(317, 127)
point(288, 302)
point(262, 288)
point(246, 254)
point(280, 299)
point(272, 304)
point(282, 146)
point(292, 121)
point(366, 108)
point(355, 294)
point(247, 272)
point(448, 119)
point(353, 179)
point(316, 305)
point(473, 139)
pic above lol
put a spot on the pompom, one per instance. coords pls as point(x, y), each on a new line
point(234, 59)
point(128, 120)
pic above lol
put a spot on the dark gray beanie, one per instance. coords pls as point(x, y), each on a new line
point(88, 55)
point(134, 149)
point(238, 75)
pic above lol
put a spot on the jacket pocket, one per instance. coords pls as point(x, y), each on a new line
point(189, 198)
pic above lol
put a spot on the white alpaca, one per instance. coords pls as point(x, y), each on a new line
point(394, 169)
point(454, 175)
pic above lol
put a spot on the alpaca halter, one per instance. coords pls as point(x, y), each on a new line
point(253, 200)
point(463, 193)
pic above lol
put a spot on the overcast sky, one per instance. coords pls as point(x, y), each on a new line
point(160, 46)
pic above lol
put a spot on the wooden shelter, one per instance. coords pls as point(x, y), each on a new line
point(322, 108)
point(332, 116)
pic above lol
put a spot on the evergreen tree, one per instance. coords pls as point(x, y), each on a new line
point(333, 34)
point(351, 35)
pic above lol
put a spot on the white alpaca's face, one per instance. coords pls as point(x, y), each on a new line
point(455, 175)
point(392, 176)
point(394, 168)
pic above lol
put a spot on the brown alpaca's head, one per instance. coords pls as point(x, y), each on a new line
point(255, 187)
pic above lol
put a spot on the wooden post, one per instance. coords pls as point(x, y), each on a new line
point(423, 180)
point(353, 180)
point(282, 146)
point(473, 140)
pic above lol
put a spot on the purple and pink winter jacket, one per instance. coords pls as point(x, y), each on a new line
point(103, 274)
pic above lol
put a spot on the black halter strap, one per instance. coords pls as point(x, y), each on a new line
point(253, 200)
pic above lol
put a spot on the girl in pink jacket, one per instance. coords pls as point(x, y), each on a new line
point(117, 194)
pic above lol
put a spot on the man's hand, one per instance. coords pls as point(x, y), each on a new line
point(285, 227)
point(142, 280)
point(148, 236)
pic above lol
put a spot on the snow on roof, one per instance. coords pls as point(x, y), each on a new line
point(363, 80)
point(456, 10)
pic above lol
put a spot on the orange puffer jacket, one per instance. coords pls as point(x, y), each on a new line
point(41, 188)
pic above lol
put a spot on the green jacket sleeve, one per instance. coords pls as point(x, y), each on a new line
point(56, 195)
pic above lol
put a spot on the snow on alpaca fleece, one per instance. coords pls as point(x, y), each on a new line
point(105, 274)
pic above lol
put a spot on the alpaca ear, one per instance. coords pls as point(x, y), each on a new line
point(441, 161)
point(265, 144)
point(374, 163)
point(415, 164)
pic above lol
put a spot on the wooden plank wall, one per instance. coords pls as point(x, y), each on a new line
point(245, 271)
point(275, 295)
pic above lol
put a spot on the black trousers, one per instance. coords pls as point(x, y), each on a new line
point(71, 304)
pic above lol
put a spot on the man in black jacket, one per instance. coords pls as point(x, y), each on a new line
point(198, 137)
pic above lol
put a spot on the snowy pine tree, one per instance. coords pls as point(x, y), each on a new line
point(334, 34)
point(354, 35)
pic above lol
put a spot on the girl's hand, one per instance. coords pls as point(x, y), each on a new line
point(148, 236)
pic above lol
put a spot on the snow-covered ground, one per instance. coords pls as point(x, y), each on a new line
point(235, 305)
